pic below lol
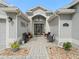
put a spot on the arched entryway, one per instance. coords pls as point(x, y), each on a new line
point(39, 24)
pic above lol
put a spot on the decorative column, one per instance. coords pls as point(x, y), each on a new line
point(47, 28)
point(7, 33)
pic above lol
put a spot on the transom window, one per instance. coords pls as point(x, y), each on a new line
point(39, 18)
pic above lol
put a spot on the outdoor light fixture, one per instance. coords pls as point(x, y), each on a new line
point(10, 19)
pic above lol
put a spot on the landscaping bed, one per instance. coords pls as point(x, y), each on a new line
point(9, 52)
point(60, 53)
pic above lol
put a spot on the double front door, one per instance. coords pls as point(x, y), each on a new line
point(38, 29)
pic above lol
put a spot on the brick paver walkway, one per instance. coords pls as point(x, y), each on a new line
point(37, 47)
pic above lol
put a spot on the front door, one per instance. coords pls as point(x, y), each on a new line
point(38, 29)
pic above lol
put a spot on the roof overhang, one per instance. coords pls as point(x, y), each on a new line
point(15, 10)
point(72, 4)
point(24, 16)
point(38, 7)
point(61, 11)
point(66, 11)
point(10, 9)
point(52, 17)
point(4, 3)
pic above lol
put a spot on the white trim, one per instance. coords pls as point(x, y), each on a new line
point(7, 33)
point(58, 30)
point(39, 14)
point(16, 25)
point(59, 26)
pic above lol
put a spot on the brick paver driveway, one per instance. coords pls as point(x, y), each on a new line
point(38, 49)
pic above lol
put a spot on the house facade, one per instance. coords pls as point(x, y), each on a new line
point(63, 23)
point(38, 17)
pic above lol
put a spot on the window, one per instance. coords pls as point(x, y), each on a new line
point(65, 25)
point(49, 14)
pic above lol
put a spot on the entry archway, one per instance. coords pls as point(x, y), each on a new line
point(39, 24)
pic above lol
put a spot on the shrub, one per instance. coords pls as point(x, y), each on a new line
point(15, 45)
point(67, 45)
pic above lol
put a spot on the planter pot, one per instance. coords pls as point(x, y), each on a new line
point(15, 49)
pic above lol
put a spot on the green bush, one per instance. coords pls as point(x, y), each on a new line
point(15, 45)
point(67, 45)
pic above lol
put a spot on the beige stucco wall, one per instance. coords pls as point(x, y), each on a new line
point(2, 33)
point(75, 24)
point(21, 29)
point(54, 27)
point(12, 27)
point(15, 28)
point(65, 32)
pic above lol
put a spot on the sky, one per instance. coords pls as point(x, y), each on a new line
point(25, 5)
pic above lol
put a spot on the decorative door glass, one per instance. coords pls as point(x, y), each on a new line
point(38, 29)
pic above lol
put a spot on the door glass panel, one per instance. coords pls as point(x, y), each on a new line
point(38, 29)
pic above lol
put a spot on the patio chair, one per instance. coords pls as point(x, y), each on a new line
point(25, 37)
point(51, 38)
point(48, 34)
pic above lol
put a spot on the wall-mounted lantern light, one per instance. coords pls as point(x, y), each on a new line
point(10, 19)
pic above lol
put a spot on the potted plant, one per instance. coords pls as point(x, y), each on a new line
point(15, 46)
point(67, 46)
point(30, 35)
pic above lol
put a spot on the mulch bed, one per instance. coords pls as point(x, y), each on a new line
point(9, 52)
point(60, 53)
